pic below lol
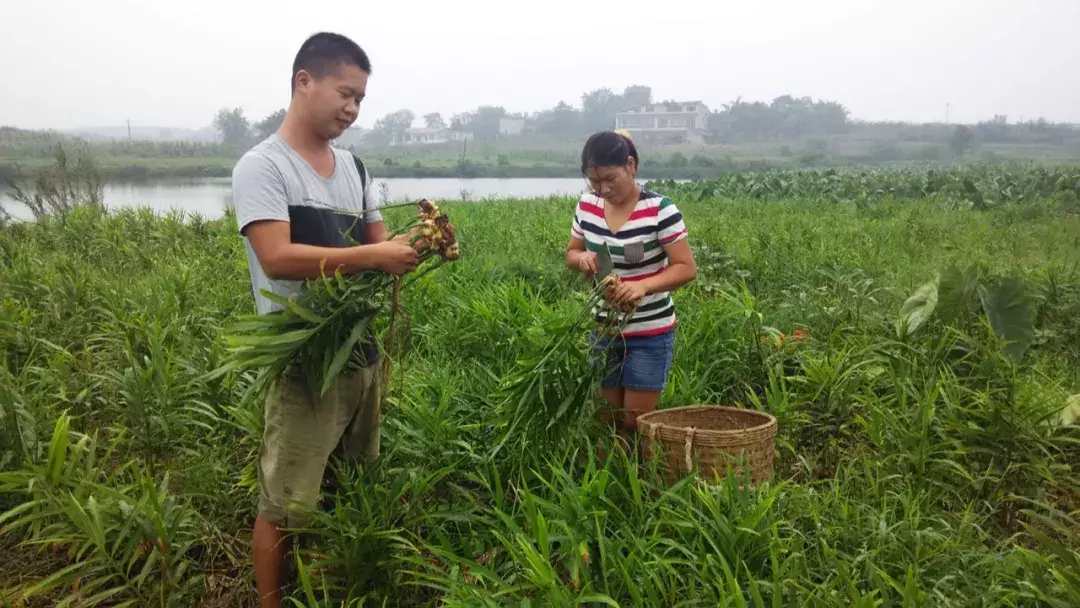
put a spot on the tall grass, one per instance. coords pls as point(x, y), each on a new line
point(914, 468)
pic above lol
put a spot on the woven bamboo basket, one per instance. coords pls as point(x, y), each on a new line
point(712, 436)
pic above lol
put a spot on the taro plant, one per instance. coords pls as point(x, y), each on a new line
point(957, 295)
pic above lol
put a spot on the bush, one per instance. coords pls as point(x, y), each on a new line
point(59, 188)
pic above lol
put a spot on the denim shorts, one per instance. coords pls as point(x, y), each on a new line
point(637, 363)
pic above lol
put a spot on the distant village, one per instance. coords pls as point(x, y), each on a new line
point(668, 122)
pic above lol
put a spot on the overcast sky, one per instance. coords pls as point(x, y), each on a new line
point(79, 63)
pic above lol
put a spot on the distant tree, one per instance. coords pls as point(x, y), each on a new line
point(962, 140)
point(995, 131)
point(393, 125)
point(232, 125)
point(634, 97)
point(434, 121)
point(678, 160)
point(700, 160)
point(741, 120)
point(457, 122)
point(269, 125)
point(563, 119)
point(484, 122)
point(598, 109)
point(396, 122)
point(785, 117)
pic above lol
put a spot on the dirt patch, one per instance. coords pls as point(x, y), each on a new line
point(25, 565)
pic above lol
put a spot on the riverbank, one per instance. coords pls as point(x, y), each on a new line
point(140, 169)
point(132, 169)
point(491, 162)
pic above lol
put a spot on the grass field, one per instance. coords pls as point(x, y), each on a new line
point(916, 466)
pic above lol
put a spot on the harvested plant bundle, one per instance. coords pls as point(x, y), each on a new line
point(319, 329)
point(541, 400)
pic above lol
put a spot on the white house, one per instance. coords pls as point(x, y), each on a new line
point(675, 120)
point(424, 135)
point(511, 126)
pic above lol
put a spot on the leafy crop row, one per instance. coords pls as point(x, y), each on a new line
point(922, 361)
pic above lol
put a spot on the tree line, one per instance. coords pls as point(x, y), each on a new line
point(785, 117)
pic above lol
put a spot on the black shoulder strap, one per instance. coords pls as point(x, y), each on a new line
point(363, 181)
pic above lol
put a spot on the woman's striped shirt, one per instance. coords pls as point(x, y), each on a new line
point(637, 251)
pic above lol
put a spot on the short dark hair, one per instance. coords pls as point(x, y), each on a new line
point(326, 51)
point(608, 149)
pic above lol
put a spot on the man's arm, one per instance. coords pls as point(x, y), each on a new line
point(263, 217)
point(283, 259)
point(375, 232)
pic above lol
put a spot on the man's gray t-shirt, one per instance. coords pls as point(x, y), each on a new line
point(272, 182)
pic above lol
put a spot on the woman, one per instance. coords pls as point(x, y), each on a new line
point(646, 236)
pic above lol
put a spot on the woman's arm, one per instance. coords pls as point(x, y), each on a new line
point(682, 268)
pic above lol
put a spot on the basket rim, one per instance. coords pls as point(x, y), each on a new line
point(768, 420)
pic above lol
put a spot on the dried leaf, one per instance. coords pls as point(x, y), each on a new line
point(1071, 412)
point(918, 308)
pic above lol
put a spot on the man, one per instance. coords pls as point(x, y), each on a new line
point(285, 190)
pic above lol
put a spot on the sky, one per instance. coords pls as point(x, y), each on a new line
point(164, 63)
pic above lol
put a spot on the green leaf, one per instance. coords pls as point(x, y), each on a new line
point(957, 293)
point(1071, 412)
point(259, 360)
point(304, 313)
point(597, 598)
point(341, 357)
point(251, 322)
point(918, 308)
point(1011, 314)
point(58, 449)
point(286, 339)
point(275, 298)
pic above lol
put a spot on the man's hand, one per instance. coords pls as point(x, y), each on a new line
point(409, 236)
point(626, 294)
point(396, 256)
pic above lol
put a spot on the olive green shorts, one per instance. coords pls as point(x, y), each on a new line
point(303, 430)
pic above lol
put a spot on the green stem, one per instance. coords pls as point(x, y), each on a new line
point(417, 277)
point(366, 211)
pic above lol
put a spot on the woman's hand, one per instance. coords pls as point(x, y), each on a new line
point(626, 294)
point(587, 263)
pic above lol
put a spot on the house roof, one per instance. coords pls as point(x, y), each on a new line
point(675, 107)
